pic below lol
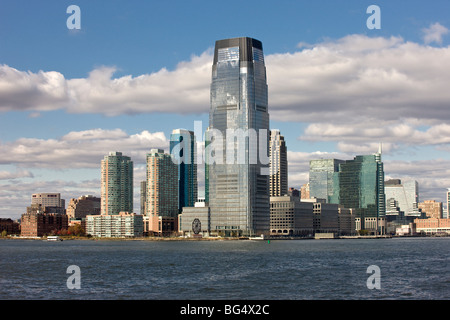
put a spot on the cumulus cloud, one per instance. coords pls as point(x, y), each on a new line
point(8, 175)
point(434, 33)
point(82, 149)
point(352, 79)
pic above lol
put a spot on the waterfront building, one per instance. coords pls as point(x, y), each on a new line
point(278, 164)
point(195, 221)
point(237, 167)
point(325, 216)
point(432, 208)
point(122, 225)
point(346, 221)
point(433, 226)
point(291, 217)
point(83, 206)
point(39, 221)
point(183, 149)
point(9, 225)
point(359, 184)
point(48, 200)
point(321, 173)
point(116, 184)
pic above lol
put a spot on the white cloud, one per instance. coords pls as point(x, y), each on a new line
point(349, 80)
point(434, 33)
point(8, 175)
point(82, 149)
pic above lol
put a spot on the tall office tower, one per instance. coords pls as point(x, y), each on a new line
point(237, 173)
point(321, 177)
point(48, 200)
point(406, 195)
point(183, 148)
point(359, 184)
point(278, 164)
point(116, 184)
point(162, 184)
point(143, 197)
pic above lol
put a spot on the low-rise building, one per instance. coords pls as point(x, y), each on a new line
point(432, 226)
point(122, 225)
point(40, 221)
point(290, 217)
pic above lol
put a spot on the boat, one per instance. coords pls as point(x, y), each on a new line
point(54, 238)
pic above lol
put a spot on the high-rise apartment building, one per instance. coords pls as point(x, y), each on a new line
point(183, 148)
point(237, 140)
point(162, 184)
point(321, 174)
point(278, 164)
point(359, 184)
point(116, 184)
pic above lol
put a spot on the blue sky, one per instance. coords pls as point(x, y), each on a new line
point(336, 88)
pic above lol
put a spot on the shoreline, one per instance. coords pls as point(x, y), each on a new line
point(152, 239)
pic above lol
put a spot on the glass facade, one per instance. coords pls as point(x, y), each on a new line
point(406, 196)
point(238, 187)
point(116, 184)
point(321, 177)
point(183, 149)
point(359, 184)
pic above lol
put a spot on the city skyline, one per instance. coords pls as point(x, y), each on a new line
point(335, 89)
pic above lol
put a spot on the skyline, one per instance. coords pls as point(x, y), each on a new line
point(104, 88)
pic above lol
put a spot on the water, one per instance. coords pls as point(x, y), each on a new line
point(411, 268)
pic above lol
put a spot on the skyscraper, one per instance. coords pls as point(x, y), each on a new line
point(116, 184)
point(278, 164)
point(321, 174)
point(448, 203)
point(237, 181)
point(359, 184)
point(183, 149)
point(162, 184)
point(406, 195)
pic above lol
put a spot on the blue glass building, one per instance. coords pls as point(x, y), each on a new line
point(183, 150)
point(237, 173)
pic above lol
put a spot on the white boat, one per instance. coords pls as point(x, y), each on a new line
point(54, 238)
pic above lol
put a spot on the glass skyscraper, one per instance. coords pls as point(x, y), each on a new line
point(116, 184)
point(183, 149)
point(237, 173)
point(321, 174)
point(359, 184)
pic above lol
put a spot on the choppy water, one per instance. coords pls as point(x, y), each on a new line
point(411, 268)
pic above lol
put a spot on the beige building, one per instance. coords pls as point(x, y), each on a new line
point(83, 206)
point(290, 217)
point(304, 191)
point(48, 200)
point(433, 226)
point(432, 208)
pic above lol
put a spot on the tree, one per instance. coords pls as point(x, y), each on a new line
point(4, 233)
point(76, 230)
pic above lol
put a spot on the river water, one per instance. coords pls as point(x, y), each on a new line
point(409, 268)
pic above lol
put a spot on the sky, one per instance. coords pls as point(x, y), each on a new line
point(136, 70)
